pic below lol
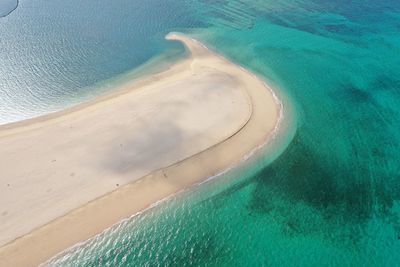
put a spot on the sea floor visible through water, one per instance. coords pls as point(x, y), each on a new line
point(331, 198)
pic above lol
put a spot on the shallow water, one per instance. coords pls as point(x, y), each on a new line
point(330, 199)
point(58, 53)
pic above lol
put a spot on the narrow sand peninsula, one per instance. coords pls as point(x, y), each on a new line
point(67, 176)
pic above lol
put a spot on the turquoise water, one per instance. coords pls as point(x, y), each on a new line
point(332, 198)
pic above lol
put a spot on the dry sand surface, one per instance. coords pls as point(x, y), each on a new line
point(67, 176)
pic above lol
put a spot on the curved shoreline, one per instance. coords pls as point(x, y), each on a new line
point(10, 11)
point(5, 14)
point(92, 218)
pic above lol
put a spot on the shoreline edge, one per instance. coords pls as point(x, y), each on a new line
point(99, 214)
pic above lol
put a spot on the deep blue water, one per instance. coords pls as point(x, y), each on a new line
point(332, 198)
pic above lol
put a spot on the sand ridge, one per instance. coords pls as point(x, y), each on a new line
point(174, 129)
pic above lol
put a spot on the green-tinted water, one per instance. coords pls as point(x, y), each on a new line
point(332, 197)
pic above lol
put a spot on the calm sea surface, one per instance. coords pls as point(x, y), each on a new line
point(331, 198)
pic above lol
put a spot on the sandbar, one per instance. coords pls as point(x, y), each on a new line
point(67, 176)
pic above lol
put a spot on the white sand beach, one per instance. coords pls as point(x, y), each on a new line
point(67, 176)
